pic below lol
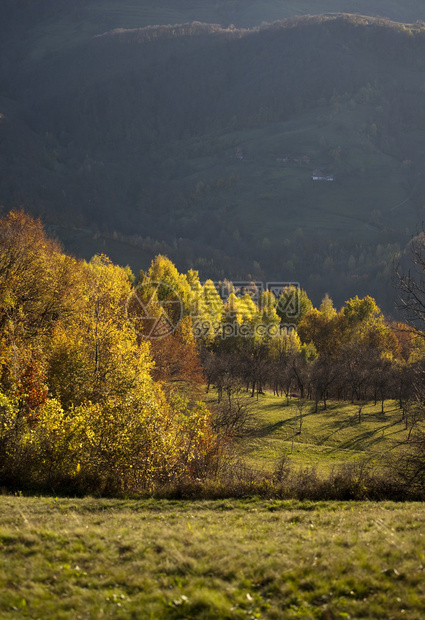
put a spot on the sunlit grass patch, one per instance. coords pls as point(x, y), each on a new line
point(328, 438)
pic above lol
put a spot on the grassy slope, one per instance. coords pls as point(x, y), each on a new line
point(67, 559)
point(327, 439)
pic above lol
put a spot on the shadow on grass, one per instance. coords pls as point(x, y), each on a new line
point(269, 429)
point(371, 437)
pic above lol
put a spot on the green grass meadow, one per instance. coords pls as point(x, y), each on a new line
point(88, 558)
point(328, 438)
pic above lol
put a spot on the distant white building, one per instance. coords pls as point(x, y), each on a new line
point(318, 175)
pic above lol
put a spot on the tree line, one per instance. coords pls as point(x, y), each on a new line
point(250, 337)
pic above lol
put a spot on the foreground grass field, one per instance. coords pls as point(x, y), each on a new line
point(89, 558)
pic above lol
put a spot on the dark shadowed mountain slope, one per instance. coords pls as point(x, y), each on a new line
point(203, 142)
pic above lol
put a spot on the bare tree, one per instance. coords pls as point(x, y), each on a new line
point(324, 374)
point(411, 285)
point(233, 413)
point(255, 364)
point(300, 405)
point(411, 303)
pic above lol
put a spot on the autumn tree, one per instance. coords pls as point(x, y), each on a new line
point(35, 292)
point(177, 361)
point(94, 354)
point(322, 328)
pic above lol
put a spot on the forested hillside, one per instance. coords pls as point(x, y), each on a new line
point(201, 141)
